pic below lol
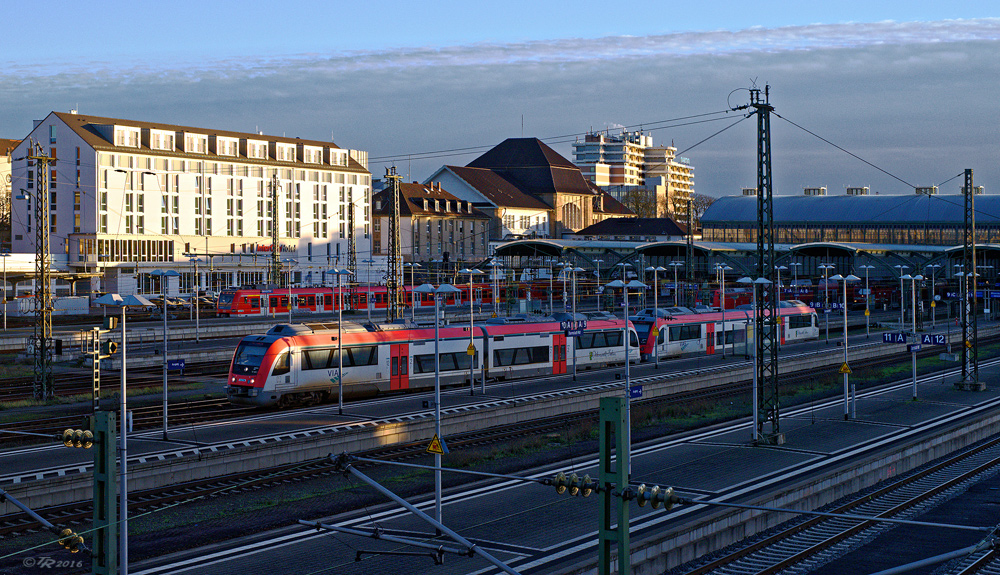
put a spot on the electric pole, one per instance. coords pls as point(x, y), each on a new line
point(275, 278)
point(352, 245)
point(392, 281)
point(970, 354)
point(42, 383)
point(688, 261)
point(767, 314)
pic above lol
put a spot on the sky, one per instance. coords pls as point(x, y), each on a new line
point(908, 87)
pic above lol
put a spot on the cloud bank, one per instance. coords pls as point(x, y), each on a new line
point(914, 98)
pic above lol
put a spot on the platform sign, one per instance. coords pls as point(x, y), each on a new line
point(913, 347)
point(864, 292)
point(265, 291)
point(573, 332)
point(995, 294)
point(933, 339)
point(635, 392)
point(437, 446)
point(573, 325)
point(175, 365)
point(893, 337)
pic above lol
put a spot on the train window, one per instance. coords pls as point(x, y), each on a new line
point(274, 302)
point(503, 357)
point(586, 341)
point(327, 300)
point(248, 357)
point(683, 332)
point(448, 362)
point(797, 321)
point(633, 339)
point(362, 356)
point(316, 359)
point(282, 365)
point(613, 338)
point(255, 303)
point(395, 362)
point(663, 335)
point(403, 361)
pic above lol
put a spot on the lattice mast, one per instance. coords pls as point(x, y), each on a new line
point(970, 355)
point(689, 260)
point(276, 278)
point(393, 278)
point(352, 245)
point(42, 383)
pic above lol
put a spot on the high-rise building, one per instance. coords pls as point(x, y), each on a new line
point(630, 167)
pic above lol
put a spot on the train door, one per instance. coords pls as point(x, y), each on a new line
point(710, 338)
point(781, 328)
point(558, 353)
point(399, 357)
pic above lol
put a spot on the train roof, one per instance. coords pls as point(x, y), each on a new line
point(731, 315)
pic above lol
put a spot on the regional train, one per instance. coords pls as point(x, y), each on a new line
point(298, 364)
point(710, 333)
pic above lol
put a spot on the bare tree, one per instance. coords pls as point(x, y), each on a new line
point(642, 202)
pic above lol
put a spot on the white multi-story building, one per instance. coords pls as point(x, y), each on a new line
point(629, 162)
point(131, 197)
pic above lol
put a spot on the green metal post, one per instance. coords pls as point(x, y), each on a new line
point(105, 546)
point(613, 476)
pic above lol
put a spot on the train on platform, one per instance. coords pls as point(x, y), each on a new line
point(882, 293)
point(299, 364)
point(717, 332)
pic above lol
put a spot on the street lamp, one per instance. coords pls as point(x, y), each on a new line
point(340, 334)
point(676, 265)
point(826, 298)
point(753, 283)
point(902, 293)
point(598, 263)
point(5, 254)
point(124, 302)
point(195, 285)
point(656, 311)
point(413, 282)
point(934, 268)
point(442, 291)
point(472, 348)
point(868, 299)
point(164, 276)
point(289, 262)
point(628, 384)
point(368, 287)
point(575, 271)
point(849, 401)
point(795, 273)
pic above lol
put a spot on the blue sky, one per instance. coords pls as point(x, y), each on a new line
point(909, 86)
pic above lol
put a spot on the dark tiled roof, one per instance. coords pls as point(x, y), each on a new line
point(533, 167)
point(497, 189)
point(633, 227)
point(83, 125)
point(413, 205)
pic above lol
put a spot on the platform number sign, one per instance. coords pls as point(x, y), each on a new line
point(933, 339)
point(893, 337)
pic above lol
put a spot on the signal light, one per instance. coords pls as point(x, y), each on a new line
point(110, 323)
point(70, 540)
point(108, 348)
point(80, 438)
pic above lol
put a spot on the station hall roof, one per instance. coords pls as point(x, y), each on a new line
point(835, 210)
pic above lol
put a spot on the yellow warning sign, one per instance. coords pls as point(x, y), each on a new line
point(471, 350)
point(437, 446)
point(845, 368)
point(867, 312)
point(933, 304)
point(655, 332)
point(968, 344)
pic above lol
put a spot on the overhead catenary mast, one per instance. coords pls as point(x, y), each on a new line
point(392, 280)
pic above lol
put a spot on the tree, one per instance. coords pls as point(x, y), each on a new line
point(640, 201)
point(699, 204)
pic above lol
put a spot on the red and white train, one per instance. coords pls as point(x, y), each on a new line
point(298, 364)
point(707, 333)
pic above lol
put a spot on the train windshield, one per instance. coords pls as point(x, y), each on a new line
point(248, 357)
point(226, 299)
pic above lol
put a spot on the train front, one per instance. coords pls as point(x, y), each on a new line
point(257, 362)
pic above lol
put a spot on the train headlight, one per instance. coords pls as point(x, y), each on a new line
point(251, 380)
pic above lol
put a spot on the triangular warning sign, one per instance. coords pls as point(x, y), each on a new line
point(845, 368)
point(437, 446)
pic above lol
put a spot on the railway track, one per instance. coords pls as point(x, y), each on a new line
point(804, 545)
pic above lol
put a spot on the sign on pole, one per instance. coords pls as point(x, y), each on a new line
point(893, 337)
point(933, 339)
point(437, 446)
point(635, 392)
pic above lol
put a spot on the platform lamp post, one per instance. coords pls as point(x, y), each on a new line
point(754, 283)
point(849, 400)
point(575, 271)
point(441, 291)
point(340, 334)
point(795, 273)
point(913, 310)
point(495, 277)
point(124, 303)
point(677, 286)
point(472, 346)
point(195, 289)
point(598, 263)
point(625, 280)
point(164, 276)
point(413, 282)
point(564, 272)
point(289, 262)
point(868, 301)
point(5, 254)
point(902, 293)
point(656, 313)
point(778, 270)
point(934, 268)
point(368, 288)
point(551, 262)
point(628, 382)
point(721, 270)
point(826, 298)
